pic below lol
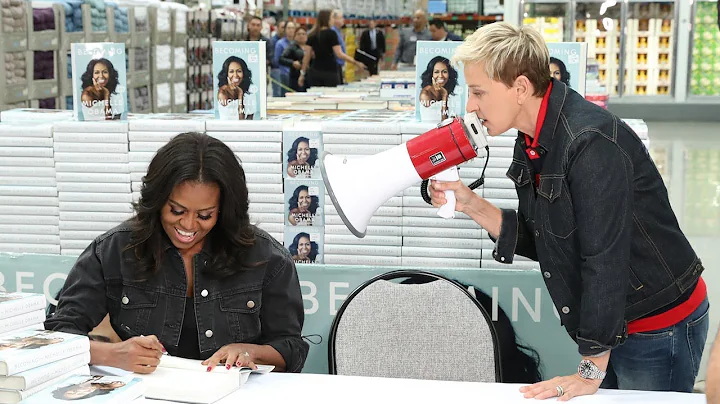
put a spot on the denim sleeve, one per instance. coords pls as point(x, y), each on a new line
point(600, 182)
point(514, 238)
point(82, 305)
point(282, 313)
point(276, 54)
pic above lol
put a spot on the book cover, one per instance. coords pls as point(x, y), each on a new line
point(13, 396)
point(99, 81)
point(306, 245)
point(440, 92)
point(17, 303)
point(29, 349)
point(302, 151)
point(91, 389)
point(239, 80)
point(35, 377)
point(304, 202)
point(568, 64)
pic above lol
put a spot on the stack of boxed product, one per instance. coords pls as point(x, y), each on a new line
point(428, 239)
point(32, 359)
point(91, 162)
point(304, 198)
point(28, 192)
point(258, 146)
point(358, 135)
point(148, 133)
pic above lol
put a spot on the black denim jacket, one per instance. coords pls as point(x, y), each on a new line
point(258, 305)
point(600, 224)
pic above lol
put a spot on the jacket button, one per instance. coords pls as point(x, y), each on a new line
point(537, 233)
point(502, 259)
point(205, 262)
point(566, 310)
point(547, 275)
point(125, 300)
point(250, 304)
point(204, 293)
point(208, 333)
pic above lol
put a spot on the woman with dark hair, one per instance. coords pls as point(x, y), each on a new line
point(303, 250)
point(302, 207)
point(99, 83)
point(438, 83)
point(87, 389)
point(234, 96)
point(188, 274)
point(301, 158)
point(293, 55)
point(558, 71)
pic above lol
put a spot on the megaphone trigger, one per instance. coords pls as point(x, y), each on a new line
point(447, 211)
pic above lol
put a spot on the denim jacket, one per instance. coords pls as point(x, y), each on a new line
point(599, 223)
point(258, 305)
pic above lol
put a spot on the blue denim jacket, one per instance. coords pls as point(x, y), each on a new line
point(259, 304)
point(599, 223)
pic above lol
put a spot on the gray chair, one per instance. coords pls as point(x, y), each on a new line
point(434, 330)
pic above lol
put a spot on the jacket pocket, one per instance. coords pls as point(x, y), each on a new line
point(560, 215)
point(136, 307)
point(242, 310)
point(518, 173)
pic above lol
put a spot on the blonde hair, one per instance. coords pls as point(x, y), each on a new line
point(508, 52)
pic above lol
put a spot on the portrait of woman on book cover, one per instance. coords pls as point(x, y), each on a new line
point(301, 158)
point(558, 71)
point(236, 98)
point(304, 250)
point(100, 97)
point(303, 207)
point(89, 388)
point(438, 85)
point(29, 342)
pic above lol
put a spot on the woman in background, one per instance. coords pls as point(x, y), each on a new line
point(234, 96)
point(99, 83)
point(558, 71)
point(438, 83)
point(293, 55)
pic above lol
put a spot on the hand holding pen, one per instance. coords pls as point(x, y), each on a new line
point(139, 354)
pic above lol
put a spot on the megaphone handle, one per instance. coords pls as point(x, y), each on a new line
point(447, 211)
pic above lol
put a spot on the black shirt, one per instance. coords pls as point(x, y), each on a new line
point(189, 345)
point(322, 44)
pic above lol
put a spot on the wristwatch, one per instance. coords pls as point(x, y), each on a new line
point(588, 370)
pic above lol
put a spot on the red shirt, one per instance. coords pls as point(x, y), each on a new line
point(532, 147)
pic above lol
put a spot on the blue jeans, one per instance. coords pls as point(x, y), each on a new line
point(662, 360)
point(276, 89)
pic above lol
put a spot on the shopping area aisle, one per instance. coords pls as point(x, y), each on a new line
point(688, 156)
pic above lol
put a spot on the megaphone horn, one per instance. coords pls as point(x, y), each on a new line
point(359, 186)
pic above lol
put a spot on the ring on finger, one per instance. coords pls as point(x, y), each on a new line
point(247, 355)
point(560, 391)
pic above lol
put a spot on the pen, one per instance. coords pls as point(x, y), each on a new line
point(132, 333)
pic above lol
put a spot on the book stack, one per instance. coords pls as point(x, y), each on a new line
point(428, 239)
point(147, 134)
point(303, 214)
point(32, 361)
point(91, 163)
point(358, 135)
point(258, 146)
point(28, 191)
point(19, 311)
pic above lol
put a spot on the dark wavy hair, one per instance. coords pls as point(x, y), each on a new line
point(314, 200)
point(59, 393)
point(314, 249)
point(452, 82)
point(113, 80)
point(197, 157)
point(247, 74)
point(292, 153)
point(564, 73)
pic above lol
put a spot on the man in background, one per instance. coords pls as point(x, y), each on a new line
point(254, 29)
point(337, 21)
point(439, 32)
point(372, 48)
point(279, 34)
point(281, 77)
point(405, 51)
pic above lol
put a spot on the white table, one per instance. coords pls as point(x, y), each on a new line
point(321, 389)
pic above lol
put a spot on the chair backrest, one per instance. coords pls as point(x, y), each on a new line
point(434, 331)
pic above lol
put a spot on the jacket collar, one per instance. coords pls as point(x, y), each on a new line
point(555, 105)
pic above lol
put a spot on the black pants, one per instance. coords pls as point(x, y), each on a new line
point(323, 78)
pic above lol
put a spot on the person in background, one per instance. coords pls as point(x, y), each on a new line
point(174, 277)
point(324, 48)
point(283, 75)
point(559, 72)
point(712, 381)
point(595, 213)
point(280, 33)
point(439, 32)
point(254, 29)
point(372, 45)
point(337, 21)
point(293, 55)
point(406, 47)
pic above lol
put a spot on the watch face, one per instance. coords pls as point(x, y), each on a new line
point(586, 369)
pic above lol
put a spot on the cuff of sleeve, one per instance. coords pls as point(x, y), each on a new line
point(294, 360)
point(507, 239)
point(591, 348)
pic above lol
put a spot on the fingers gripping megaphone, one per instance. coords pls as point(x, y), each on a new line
point(358, 187)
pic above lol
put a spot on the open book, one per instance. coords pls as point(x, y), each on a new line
point(188, 381)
